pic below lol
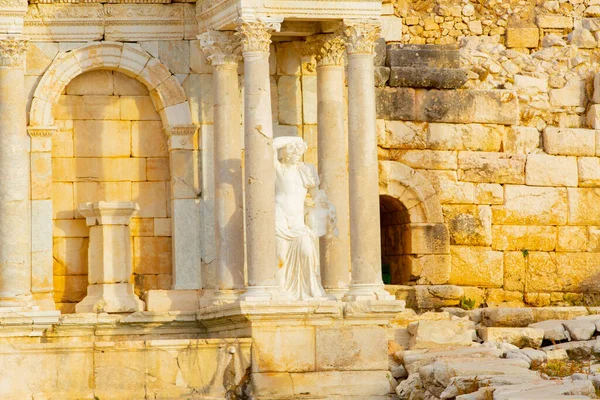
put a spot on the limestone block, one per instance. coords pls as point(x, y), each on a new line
point(157, 169)
point(434, 106)
point(171, 300)
point(148, 139)
point(573, 95)
point(98, 169)
point(334, 354)
point(554, 21)
point(549, 170)
point(151, 197)
point(198, 61)
point(520, 337)
point(290, 100)
point(491, 167)
point(521, 140)
point(405, 135)
point(41, 176)
point(399, 55)
point(151, 255)
point(432, 269)
point(464, 137)
point(62, 200)
point(153, 74)
point(422, 238)
point(571, 272)
point(588, 171)
point(395, 104)
point(580, 329)
point(440, 334)
point(138, 108)
point(126, 86)
point(527, 36)
point(102, 138)
point(423, 77)
point(162, 227)
point(183, 166)
point(391, 28)
point(514, 271)
point(449, 189)
point(101, 191)
point(428, 159)
point(524, 205)
point(561, 313)
point(309, 99)
point(69, 289)
point(199, 90)
point(99, 82)
point(87, 107)
point(168, 93)
point(593, 116)
point(572, 238)
point(70, 256)
point(40, 56)
point(554, 330)
point(496, 107)
point(62, 142)
point(582, 38)
point(582, 206)
point(426, 297)
point(175, 55)
point(69, 228)
point(528, 82)
point(476, 266)
point(187, 243)
point(508, 317)
point(289, 59)
point(270, 354)
point(142, 226)
point(469, 225)
point(489, 193)
point(519, 237)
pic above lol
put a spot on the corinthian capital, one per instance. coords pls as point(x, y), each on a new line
point(361, 36)
point(256, 35)
point(12, 52)
point(222, 47)
point(329, 49)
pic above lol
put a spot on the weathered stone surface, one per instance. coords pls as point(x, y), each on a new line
point(514, 270)
point(440, 334)
point(449, 189)
point(522, 36)
point(519, 237)
point(568, 272)
point(428, 297)
point(569, 141)
point(474, 137)
point(572, 238)
point(395, 104)
point(422, 56)
point(490, 167)
point(554, 21)
point(456, 106)
point(469, 225)
point(558, 313)
point(419, 77)
point(580, 329)
point(414, 360)
point(582, 38)
point(404, 135)
point(489, 193)
point(521, 139)
point(575, 350)
point(428, 159)
point(520, 337)
point(548, 170)
point(503, 298)
point(582, 206)
point(525, 205)
point(508, 317)
point(476, 266)
point(382, 75)
point(554, 330)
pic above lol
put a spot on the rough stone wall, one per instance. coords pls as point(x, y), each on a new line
point(504, 127)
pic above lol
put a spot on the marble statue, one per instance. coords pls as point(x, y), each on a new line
point(298, 227)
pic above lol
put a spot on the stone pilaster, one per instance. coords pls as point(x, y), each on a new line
point(15, 203)
point(259, 179)
point(224, 53)
point(362, 163)
point(332, 158)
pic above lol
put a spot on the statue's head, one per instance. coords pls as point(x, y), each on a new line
point(292, 152)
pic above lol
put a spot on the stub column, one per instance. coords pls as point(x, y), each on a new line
point(333, 165)
point(363, 168)
point(261, 251)
point(224, 54)
point(15, 203)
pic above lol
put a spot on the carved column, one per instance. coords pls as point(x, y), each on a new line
point(259, 161)
point(224, 54)
point(362, 163)
point(333, 156)
point(15, 204)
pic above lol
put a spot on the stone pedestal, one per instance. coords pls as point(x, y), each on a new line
point(109, 258)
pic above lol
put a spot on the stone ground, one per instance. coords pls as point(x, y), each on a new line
point(496, 353)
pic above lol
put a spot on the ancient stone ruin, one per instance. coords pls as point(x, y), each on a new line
point(269, 200)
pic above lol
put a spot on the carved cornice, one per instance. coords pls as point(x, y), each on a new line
point(361, 36)
point(41, 131)
point(256, 35)
point(181, 130)
point(12, 52)
point(13, 4)
point(222, 47)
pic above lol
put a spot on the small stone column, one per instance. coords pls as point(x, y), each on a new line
point(224, 54)
point(109, 258)
point(259, 161)
point(363, 166)
point(333, 165)
point(15, 202)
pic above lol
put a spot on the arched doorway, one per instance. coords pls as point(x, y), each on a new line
point(394, 219)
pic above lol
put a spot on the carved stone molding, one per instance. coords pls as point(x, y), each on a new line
point(41, 131)
point(222, 47)
point(13, 4)
point(256, 35)
point(183, 130)
point(12, 52)
point(361, 36)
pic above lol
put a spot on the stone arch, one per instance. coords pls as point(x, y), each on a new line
point(167, 94)
point(414, 226)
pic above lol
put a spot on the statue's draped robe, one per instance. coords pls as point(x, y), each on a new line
point(299, 271)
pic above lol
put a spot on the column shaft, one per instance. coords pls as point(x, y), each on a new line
point(363, 165)
point(333, 170)
point(15, 204)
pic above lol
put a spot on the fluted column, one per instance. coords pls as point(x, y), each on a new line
point(261, 251)
point(224, 54)
point(362, 163)
point(15, 204)
point(333, 164)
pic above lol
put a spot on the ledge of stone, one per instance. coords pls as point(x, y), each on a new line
point(437, 78)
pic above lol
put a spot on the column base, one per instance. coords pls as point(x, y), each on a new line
point(110, 298)
point(220, 297)
point(18, 304)
point(367, 291)
point(262, 294)
point(336, 294)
